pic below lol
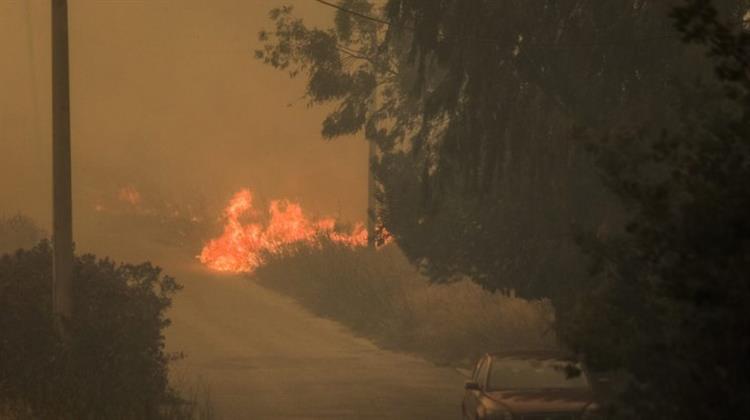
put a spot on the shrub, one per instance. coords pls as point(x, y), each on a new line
point(380, 295)
point(114, 365)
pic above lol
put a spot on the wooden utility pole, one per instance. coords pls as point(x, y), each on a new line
point(371, 214)
point(62, 212)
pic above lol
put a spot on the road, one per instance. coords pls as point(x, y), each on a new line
point(262, 356)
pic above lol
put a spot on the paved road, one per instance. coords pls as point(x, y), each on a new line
point(264, 357)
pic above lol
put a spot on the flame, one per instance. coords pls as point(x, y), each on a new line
point(130, 195)
point(241, 246)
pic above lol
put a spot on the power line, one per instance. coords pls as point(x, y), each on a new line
point(355, 13)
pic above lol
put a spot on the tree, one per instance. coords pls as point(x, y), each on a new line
point(667, 303)
point(479, 108)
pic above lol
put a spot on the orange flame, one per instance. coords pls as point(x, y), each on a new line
point(129, 194)
point(241, 247)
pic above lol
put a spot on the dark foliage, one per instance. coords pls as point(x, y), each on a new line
point(479, 108)
point(667, 303)
point(114, 365)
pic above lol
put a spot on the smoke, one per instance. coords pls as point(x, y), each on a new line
point(166, 97)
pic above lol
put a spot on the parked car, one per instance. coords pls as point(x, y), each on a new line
point(527, 386)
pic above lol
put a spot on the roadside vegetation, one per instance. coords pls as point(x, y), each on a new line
point(379, 295)
point(113, 365)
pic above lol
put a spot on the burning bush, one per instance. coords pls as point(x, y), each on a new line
point(242, 246)
point(115, 365)
point(378, 294)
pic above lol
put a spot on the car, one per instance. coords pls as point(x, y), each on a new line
point(527, 385)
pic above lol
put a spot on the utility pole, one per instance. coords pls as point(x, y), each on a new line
point(371, 214)
point(62, 207)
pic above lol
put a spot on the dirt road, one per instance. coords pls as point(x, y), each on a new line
point(264, 357)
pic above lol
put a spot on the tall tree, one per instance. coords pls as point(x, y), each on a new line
point(478, 108)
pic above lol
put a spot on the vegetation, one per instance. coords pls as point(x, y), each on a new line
point(380, 295)
point(484, 113)
point(113, 365)
point(674, 286)
point(480, 125)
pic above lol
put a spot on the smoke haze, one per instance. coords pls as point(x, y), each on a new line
point(167, 97)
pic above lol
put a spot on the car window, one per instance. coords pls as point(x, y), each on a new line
point(475, 375)
point(512, 373)
point(482, 373)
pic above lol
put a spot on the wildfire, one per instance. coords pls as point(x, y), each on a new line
point(130, 195)
point(241, 246)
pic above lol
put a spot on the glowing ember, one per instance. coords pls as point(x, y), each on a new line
point(130, 195)
point(241, 246)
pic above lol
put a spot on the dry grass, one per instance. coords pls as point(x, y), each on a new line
point(379, 295)
point(192, 403)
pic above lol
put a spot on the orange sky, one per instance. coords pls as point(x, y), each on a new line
point(166, 95)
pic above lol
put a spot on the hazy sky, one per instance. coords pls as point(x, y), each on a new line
point(167, 96)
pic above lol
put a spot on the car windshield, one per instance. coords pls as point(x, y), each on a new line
point(516, 373)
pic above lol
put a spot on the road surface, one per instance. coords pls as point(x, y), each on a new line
point(262, 356)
